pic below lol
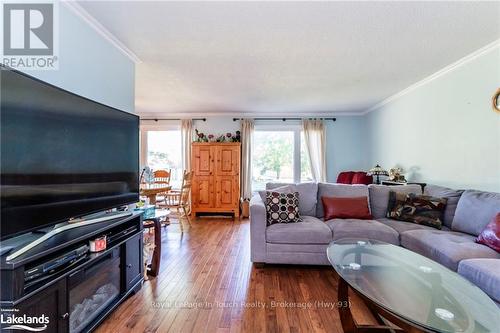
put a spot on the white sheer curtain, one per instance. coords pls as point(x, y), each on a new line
point(247, 129)
point(186, 140)
point(315, 140)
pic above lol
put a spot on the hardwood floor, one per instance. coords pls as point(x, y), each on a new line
point(208, 284)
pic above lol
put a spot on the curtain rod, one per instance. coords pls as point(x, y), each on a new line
point(156, 119)
point(235, 119)
point(285, 119)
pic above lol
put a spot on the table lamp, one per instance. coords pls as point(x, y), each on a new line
point(377, 171)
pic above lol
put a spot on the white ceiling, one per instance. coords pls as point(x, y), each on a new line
point(304, 58)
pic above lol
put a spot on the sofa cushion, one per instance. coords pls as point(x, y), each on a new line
point(419, 209)
point(339, 191)
point(346, 208)
point(272, 186)
point(475, 210)
point(310, 231)
point(401, 226)
point(446, 247)
point(451, 205)
point(379, 196)
point(307, 195)
point(484, 273)
point(282, 189)
point(363, 229)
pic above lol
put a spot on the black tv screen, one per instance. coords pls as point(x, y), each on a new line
point(62, 155)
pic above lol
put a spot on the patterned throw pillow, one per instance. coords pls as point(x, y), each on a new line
point(490, 236)
point(282, 207)
point(419, 209)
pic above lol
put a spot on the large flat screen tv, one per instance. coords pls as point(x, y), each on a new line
point(62, 155)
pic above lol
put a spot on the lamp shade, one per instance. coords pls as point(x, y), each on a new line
point(377, 171)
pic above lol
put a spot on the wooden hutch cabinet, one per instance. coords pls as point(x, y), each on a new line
point(216, 181)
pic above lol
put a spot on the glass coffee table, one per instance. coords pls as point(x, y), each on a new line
point(408, 290)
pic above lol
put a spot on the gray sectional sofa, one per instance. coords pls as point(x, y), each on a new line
point(466, 215)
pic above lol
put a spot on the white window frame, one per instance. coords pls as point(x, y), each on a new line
point(157, 126)
point(287, 127)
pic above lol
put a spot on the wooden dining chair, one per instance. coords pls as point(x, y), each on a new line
point(180, 199)
point(162, 177)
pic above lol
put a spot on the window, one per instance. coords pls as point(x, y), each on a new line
point(163, 152)
point(279, 155)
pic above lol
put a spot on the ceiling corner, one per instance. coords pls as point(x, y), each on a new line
point(101, 30)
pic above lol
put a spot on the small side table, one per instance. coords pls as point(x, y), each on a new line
point(395, 183)
point(155, 222)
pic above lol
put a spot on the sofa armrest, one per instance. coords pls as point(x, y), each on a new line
point(258, 225)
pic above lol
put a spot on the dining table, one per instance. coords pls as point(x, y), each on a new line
point(151, 190)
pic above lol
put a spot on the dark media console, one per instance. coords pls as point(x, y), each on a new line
point(62, 285)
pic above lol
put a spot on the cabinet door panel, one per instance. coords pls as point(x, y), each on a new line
point(203, 192)
point(227, 192)
point(228, 161)
point(133, 261)
point(50, 302)
point(203, 158)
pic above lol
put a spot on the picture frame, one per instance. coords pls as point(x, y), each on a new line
point(496, 101)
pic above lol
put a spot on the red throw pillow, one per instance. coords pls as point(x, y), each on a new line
point(490, 236)
point(345, 177)
point(346, 208)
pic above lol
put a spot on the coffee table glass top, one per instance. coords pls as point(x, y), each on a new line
point(156, 214)
point(413, 287)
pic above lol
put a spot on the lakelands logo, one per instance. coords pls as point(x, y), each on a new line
point(24, 322)
point(30, 35)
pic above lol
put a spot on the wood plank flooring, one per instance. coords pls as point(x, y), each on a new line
point(208, 284)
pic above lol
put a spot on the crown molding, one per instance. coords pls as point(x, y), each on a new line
point(100, 29)
point(457, 64)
